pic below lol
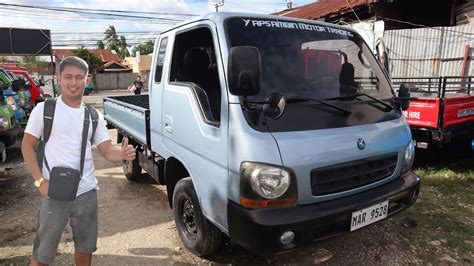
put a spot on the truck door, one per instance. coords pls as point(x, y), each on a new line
point(195, 116)
point(156, 82)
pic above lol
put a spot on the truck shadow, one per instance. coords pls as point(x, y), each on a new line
point(456, 154)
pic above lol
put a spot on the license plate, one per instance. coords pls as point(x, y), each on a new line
point(369, 215)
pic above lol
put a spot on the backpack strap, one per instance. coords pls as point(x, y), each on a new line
point(95, 120)
point(48, 116)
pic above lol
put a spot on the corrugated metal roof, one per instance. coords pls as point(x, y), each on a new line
point(323, 8)
point(425, 52)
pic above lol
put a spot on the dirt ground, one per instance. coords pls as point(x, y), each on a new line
point(136, 227)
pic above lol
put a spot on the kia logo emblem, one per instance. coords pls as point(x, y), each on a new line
point(360, 144)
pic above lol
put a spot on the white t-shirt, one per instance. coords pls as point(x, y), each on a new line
point(64, 145)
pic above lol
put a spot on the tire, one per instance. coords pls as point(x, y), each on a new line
point(132, 169)
point(198, 235)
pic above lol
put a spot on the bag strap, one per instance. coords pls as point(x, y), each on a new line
point(95, 120)
point(85, 131)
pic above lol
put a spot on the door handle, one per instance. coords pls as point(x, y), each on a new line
point(168, 124)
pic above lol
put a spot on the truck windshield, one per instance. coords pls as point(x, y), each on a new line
point(301, 59)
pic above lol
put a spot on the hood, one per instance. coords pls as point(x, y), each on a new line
point(337, 148)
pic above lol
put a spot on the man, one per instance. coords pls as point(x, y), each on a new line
point(64, 149)
point(138, 85)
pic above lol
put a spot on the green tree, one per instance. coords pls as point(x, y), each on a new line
point(114, 42)
point(111, 38)
point(100, 45)
point(33, 62)
point(123, 51)
point(3, 59)
point(92, 59)
point(144, 48)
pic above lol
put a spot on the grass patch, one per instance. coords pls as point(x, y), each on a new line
point(445, 209)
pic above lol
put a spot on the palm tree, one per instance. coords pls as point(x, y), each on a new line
point(100, 45)
point(111, 38)
point(123, 48)
point(114, 42)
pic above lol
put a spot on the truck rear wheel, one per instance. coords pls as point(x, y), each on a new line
point(132, 169)
point(197, 234)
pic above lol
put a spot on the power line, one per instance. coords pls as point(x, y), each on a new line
point(96, 10)
point(118, 19)
point(92, 14)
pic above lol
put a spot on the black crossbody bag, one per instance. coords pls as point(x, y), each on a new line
point(64, 181)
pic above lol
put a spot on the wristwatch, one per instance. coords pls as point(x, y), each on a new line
point(38, 182)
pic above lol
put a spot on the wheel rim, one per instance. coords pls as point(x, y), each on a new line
point(187, 218)
point(126, 166)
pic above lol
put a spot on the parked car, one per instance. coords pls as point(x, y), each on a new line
point(33, 87)
point(259, 138)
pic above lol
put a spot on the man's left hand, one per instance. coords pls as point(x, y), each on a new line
point(128, 151)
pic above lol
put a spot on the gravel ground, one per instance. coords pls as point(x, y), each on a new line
point(136, 227)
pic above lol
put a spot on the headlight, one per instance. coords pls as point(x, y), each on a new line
point(269, 182)
point(264, 185)
point(409, 157)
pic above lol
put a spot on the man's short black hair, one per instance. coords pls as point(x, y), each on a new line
point(73, 61)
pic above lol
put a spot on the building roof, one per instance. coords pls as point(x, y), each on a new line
point(323, 8)
point(105, 55)
point(114, 64)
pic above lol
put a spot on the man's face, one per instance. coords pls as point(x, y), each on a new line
point(138, 78)
point(73, 81)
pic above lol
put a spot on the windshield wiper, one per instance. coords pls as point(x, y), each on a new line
point(357, 95)
point(298, 99)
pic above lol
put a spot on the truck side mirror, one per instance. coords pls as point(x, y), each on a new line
point(404, 97)
point(245, 70)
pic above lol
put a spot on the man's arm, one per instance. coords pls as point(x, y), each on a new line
point(116, 152)
point(28, 146)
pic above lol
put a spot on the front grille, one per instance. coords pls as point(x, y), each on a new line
point(342, 177)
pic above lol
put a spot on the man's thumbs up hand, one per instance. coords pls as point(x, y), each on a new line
point(127, 151)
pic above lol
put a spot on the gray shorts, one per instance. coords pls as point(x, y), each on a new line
point(53, 216)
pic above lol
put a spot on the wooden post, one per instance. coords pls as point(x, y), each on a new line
point(464, 66)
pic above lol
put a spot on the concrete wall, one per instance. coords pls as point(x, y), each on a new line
point(114, 81)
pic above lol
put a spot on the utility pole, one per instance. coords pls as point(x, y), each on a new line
point(289, 3)
point(217, 5)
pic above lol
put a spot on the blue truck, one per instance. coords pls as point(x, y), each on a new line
point(273, 131)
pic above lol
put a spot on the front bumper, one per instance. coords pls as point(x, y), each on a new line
point(259, 230)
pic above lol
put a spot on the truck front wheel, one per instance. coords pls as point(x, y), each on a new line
point(132, 169)
point(197, 234)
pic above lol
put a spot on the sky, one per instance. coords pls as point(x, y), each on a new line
point(78, 25)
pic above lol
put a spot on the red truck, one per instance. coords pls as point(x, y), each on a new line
point(442, 109)
point(32, 87)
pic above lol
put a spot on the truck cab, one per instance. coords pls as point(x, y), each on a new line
point(274, 131)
